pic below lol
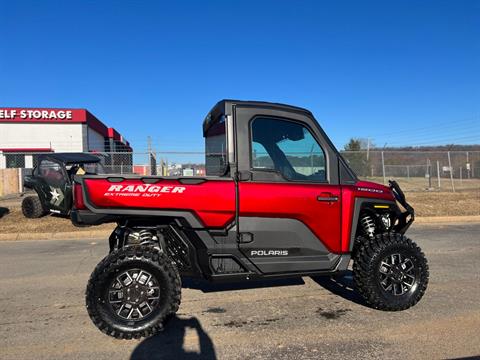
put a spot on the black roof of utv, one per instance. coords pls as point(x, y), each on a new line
point(224, 106)
point(72, 158)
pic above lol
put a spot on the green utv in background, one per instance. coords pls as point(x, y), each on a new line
point(52, 178)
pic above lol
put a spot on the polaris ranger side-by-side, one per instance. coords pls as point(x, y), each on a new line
point(51, 180)
point(278, 200)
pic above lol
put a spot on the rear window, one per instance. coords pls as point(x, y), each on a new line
point(216, 149)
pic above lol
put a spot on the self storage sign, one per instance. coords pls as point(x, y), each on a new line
point(35, 114)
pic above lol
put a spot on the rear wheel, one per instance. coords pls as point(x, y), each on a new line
point(390, 272)
point(32, 207)
point(132, 291)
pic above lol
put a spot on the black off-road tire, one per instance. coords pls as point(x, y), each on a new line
point(367, 274)
point(143, 257)
point(32, 207)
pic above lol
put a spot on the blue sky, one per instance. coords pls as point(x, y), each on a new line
point(400, 72)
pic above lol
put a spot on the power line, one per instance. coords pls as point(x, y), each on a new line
point(443, 124)
point(438, 137)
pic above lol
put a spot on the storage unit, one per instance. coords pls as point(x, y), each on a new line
point(25, 132)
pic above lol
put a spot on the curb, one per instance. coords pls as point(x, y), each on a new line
point(447, 219)
point(70, 235)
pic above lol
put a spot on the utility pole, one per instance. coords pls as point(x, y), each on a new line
point(149, 144)
point(438, 173)
point(468, 167)
point(149, 151)
point(450, 168)
point(151, 157)
point(368, 148)
point(383, 169)
point(429, 165)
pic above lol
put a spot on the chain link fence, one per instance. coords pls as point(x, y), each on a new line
point(414, 170)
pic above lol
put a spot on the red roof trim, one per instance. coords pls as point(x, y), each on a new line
point(113, 134)
point(97, 125)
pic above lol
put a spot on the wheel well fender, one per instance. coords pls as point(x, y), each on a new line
point(366, 204)
point(174, 235)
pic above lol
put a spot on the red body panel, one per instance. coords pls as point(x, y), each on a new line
point(213, 202)
point(296, 201)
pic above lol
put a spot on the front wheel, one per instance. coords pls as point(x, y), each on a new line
point(132, 291)
point(390, 272)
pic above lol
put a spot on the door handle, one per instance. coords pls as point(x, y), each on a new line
point(327, 197)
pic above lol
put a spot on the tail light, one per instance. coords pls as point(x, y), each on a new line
point(78, 201)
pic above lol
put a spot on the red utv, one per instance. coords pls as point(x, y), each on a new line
point(278, 201)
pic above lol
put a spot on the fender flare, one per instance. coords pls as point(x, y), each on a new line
point(360, 204)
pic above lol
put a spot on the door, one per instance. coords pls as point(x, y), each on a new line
point(55, 187)
point(289, 206)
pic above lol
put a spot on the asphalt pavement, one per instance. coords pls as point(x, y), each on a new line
point(42, 313)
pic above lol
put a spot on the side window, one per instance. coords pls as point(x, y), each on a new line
point(52, 173)
point(287, 147)
point(216, 149)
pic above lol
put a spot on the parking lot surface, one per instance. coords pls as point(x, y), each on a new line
point(42, 313)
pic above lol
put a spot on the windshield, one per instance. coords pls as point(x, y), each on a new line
point(216, 149)
point(85, 168)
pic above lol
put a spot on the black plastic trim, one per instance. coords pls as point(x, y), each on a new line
point(115, 179)
point(359, 205)
point(150, 180)
point(404, 221)
point(304, 250)
point(340, 267)
point(86, 217)
point(191, 181)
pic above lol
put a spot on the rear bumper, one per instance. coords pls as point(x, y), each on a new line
point(86, 217)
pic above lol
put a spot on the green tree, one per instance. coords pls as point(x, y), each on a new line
point(353, 145)
point(356, 155)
